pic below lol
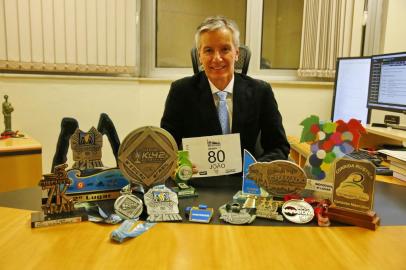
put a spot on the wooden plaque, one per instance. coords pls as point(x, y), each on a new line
point(278, 177)
point(354, 184)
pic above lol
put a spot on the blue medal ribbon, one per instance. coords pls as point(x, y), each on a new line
point(124, 231)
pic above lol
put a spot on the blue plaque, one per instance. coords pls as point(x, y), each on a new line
point(200, 214)
point(105, 180)
point(249, 186)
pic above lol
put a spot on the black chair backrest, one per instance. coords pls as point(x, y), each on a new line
point(240, 66)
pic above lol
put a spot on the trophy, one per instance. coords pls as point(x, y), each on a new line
point(353, 194)
point(183, 173)
point(91, 181)
point(58, 207)
point(87, 149)
point(7, 109)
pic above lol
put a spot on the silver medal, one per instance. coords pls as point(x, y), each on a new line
point(297, 211)
point(128, 206)
point(162, 204)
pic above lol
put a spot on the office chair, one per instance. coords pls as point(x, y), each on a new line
point(240, 66)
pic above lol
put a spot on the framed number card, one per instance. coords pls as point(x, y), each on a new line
point(215, 155)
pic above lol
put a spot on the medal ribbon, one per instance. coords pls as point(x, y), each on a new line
point(124, 231)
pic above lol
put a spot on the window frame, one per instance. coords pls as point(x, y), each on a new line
point(253, 40)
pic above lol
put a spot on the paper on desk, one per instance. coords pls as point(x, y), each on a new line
point(215, 155)
point(394, 153)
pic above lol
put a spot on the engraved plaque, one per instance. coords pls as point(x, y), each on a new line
point(87, 149)
point(354, 184)
point(278, 177)
point(148, 156)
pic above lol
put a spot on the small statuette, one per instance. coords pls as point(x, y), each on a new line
point(297, 211)
point(162, 204)
point(233, 213)
point(148, 156)
point(7, 109)
point(128, 205)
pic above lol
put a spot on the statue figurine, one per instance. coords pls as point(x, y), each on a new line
point(7, 110)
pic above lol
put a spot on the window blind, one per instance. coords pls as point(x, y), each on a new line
point(79, 36)
point(331, 29)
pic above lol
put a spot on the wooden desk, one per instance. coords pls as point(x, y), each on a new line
point(20, 163)
point(375, 136)
point(197, 246)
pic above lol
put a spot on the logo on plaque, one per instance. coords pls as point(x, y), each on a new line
point(278, 177)
point(148, 155)
point(354, 185)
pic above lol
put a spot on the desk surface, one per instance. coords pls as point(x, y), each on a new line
point(197, 246)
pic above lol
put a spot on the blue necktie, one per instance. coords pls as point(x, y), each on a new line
point(223, 112)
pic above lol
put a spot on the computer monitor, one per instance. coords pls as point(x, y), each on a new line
point(351, 89)
point(387, 86)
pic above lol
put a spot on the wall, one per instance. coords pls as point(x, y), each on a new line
point(40, 103)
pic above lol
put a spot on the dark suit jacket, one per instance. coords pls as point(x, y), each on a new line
point(190, 112)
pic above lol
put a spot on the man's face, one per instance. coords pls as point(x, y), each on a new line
point(218, 54)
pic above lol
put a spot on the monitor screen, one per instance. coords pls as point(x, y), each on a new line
point(351, 89)
point(387, 86)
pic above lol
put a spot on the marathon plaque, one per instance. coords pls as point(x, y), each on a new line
point(58, 208)
point(278, 177)
point(353, 193)
point(87, 149)
point(148, 156)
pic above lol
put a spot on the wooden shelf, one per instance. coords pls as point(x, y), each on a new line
point(300, 151)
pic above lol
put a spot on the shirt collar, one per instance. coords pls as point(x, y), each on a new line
point(229, 87)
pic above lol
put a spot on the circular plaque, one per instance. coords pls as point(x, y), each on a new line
point(148, 156)
point(297, 211)
point(279, 177)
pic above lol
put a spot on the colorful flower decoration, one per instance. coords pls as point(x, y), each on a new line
point(329, 141)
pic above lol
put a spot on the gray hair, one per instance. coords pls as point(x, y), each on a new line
point(218, 22)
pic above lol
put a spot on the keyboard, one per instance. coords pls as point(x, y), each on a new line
point(364, 155)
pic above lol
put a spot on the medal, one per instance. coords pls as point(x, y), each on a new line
point(298, 211)
point(268, 208)
point(148, 156)
point(128, 205)
point(234, 214)
point(87, 149)
point(162, 204)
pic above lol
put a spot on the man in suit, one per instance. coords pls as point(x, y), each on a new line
point(191, 105)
